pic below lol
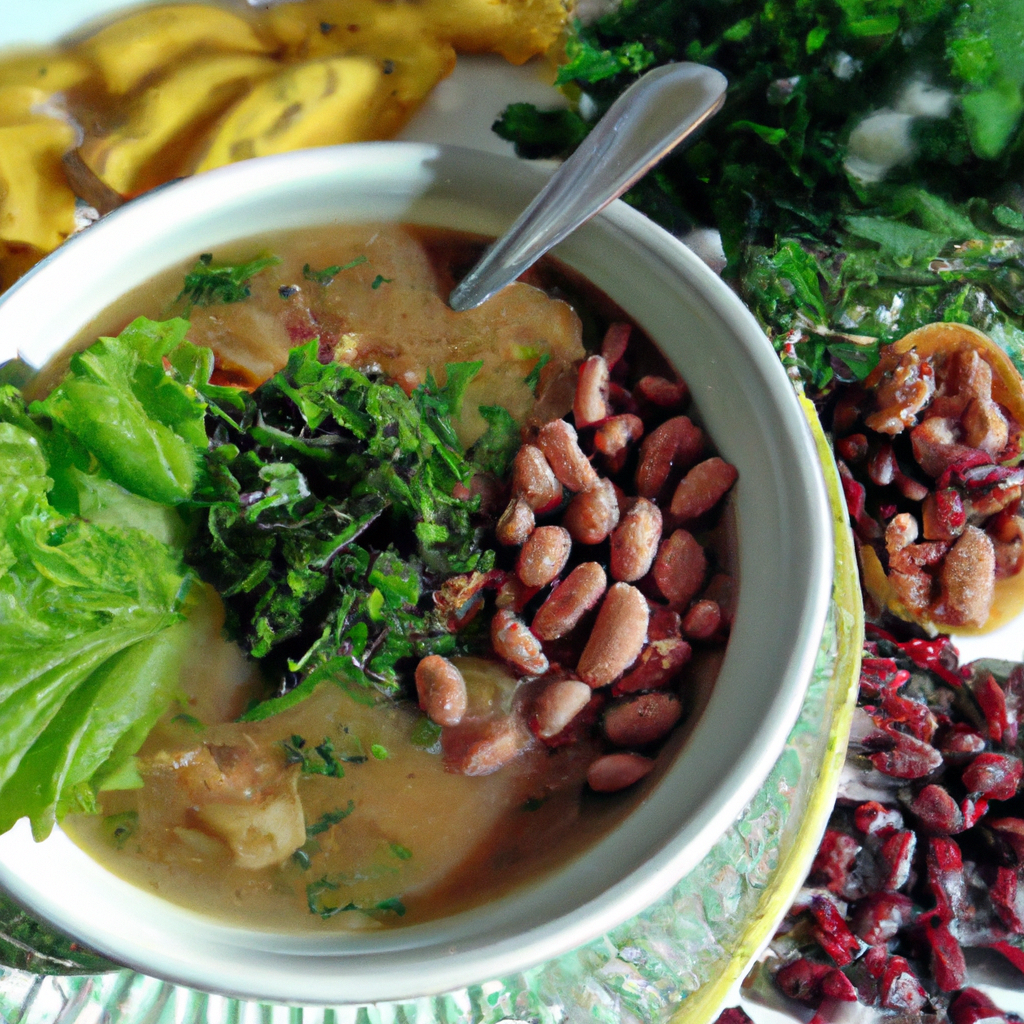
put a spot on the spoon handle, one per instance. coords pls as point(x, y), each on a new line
point(650, 118)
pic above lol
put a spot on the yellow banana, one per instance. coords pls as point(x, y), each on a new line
point(155, 141)
point(316, 104)
point(19, 103)
point(36, 205)
point(43, 69)
point(135, 47)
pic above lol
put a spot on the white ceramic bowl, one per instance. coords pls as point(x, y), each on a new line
point(785, 560)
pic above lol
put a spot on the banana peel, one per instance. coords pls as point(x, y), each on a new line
point(153, 143)
point(133, 48)
point(320, 103)
point(37, 207)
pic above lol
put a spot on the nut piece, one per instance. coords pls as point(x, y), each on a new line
point(968, 579)
point(642, 720)
point(702, 488)
point(613, 772)
point(568, 602)
point(617, 638)
point(592, 515)
point(657, 666)
point(516, 523)
point(543, 556)
point(516, 645)
point(635, 541)
point(441, 690)
point(676, 444)
point(533, 480)
point(591, 403)
point(558, 705)
point(680, 568)
point(557, 440)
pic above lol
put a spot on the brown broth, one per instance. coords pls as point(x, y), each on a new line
point(439, 842)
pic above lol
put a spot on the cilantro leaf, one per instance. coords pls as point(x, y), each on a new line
point(326, 276)
point(208, 284)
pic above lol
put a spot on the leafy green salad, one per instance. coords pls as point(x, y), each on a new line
point(865, 173)
point(322, 507)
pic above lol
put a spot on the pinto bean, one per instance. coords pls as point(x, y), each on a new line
point(557, 440)
point(592, 515)
point(702, 489)
point(679, 568)
point(615, 343)
point(613, 438)
point(558, 704)
point(642, 720)
point(635, 541)
point(533, 480)
point(968, 579)
point(484, 748)
point(675, 445)
point(617, 637)
point(569, 601)
point(664, 622)
point(515, 594)
point(544, 555)
point(657, 666)
point(441, 690)
point(613, 772)
point(703, 620)
point(666, 394)
point(516, 645)
point(516, 523)
point(590, 405)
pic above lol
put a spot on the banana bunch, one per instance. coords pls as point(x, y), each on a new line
point(170, 90)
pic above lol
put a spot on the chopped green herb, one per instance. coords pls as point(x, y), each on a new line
point(379, 280)
point(189, 722)
point(379, 752)
point(497, 447)
point(532, 379)
point(321, 760)
point(426, 734)
point(326, 276)
point(393, 905)
point(302, 859)
point(401, 852)
point(329, 819)
point(209, 284)
point(316, 891)
point(119, 828)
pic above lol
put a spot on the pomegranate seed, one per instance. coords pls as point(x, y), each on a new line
point(801, 980)
point(961, 740)
point(973, 1007)
point(989, 694)
point(832, 933)
point(898, 853)
point(734, 1015)
point(938, 656)
point(1005, 896)
point(937, 811)
point(947, 958)
point(996, 776)
point(881, 915)
point(900, 988)
point(973, 810)
point(911, 758)
point(878, 674)
point(836, 985)
point(946, 879)
point(853, 448)
point(1011, 831)
point(873, 819)
point(835, 858)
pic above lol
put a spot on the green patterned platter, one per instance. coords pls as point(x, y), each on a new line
point(673, 963)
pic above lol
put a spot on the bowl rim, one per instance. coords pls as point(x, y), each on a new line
point(461, 966)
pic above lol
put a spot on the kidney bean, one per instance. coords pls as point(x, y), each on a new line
point(721, 589)
point(593, 514)
point(664, 624)
point(614, 436)
point(485, 747)
point(680, 568)
point(615, 343)
point(617, 638)
point(515, 594)
point(702, 489)
point(558, 704)
point(569, 601)
point(441, 690)
point(676, 445)
point(544, 555)
point(591, 402)
point(703, 620)
point(658, 664)
point(613, 772)
point(642, 720)
point(996, 776)
point(557, 440)
point(534, 481)
point(516, 645)
point(634, 542)
point(515, 524)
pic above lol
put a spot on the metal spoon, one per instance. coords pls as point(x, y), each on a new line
point(649, 119)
